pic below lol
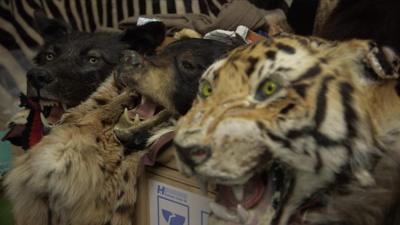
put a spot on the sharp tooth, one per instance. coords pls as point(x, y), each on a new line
point(223, 213)
point(41, 105)
point(186, 170)
point(44, 120)
point(238, 191)
point(202, 184)
point(142, 100)
point(137, 119)
point(124, 121)
point(243, 214)
point(126, 117)
point(276, 199)
point(64, 106)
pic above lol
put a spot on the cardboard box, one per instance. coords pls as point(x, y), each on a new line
point(166, 197)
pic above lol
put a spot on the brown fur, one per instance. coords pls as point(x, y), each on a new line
point(79, 173)
point(375, 205)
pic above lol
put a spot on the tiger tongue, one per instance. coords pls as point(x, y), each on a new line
point(248, 195)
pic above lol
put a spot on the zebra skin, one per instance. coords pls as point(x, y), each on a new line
point(19, 39)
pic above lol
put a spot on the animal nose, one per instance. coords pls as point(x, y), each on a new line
point(130, 63)
point(193, 155)
point(39, 77)
point(131, 58)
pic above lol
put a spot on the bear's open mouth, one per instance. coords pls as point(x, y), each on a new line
point(38, 118)
point(140, 119)
point(144, 127)
point(52, 111)
point(259, 198)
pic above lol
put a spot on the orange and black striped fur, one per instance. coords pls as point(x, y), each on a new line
point(317, 123)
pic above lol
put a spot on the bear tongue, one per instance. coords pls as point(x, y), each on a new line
point(55, 114)
point(146, 109)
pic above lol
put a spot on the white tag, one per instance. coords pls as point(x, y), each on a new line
point(142, 21)
point(242, 31)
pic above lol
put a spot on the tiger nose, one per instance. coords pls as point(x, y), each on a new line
point(193, 155)
point(130, 63)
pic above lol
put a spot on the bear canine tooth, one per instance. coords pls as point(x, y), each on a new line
point(64, 106)
point(238, 191)
point(44, 121)
point(136, 120)
point(41, 104)
point(142, 100)
point(127, 120)
point(223, 213)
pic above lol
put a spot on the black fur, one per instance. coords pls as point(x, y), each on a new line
point(169, 78)
point(366, 19)
point(72, 64)
point(187, 59)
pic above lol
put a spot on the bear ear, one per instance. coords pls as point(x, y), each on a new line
point(50, 29)
point(145, 38)
point(384, 61)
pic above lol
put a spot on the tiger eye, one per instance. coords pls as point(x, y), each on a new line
point(266, 89)
point(205, 89)
point(269, 87)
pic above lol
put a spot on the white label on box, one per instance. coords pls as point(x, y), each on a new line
point(173, 206)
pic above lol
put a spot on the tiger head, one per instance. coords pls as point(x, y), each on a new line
point(279, 122)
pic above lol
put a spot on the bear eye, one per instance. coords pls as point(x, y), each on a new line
point(49, 56)
point(266, 89)
point(187, 65)
point(93, 60)
point(205, 89)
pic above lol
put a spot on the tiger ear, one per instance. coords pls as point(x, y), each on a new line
point(384, 61)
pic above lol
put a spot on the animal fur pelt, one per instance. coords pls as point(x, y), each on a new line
point(366, 205)
point(78, 174)
point(364, 19)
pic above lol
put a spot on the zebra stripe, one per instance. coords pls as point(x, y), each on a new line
point(14, 71)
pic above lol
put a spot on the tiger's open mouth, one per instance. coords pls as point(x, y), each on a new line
point(259, 198)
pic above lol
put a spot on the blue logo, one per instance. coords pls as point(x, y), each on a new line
point(173, 218)
point(160, 190)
